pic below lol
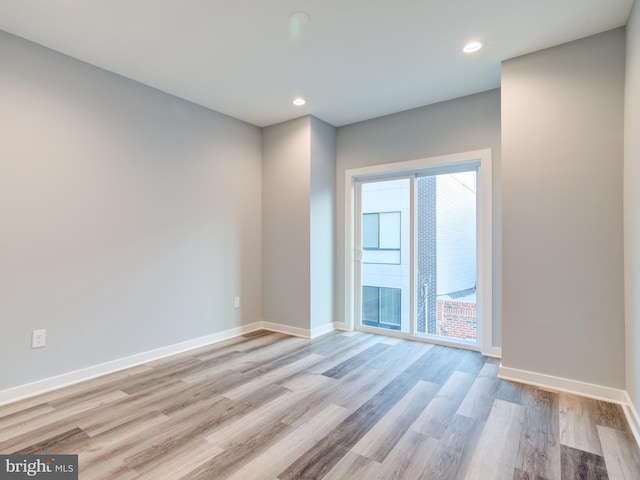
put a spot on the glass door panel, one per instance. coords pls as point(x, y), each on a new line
point(385, 234)
point(446, 256)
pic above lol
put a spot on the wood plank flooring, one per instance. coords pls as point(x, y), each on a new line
point(343, 406)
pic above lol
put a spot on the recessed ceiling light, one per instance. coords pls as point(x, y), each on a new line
point(472, 47)
point(298, 102)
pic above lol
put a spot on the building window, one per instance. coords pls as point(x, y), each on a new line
point(381, 237)
point(381, 307)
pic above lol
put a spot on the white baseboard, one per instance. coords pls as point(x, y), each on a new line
point(493, 352)
point(300, 332)
point(632, 417)
point(340, 326)
point(52, 383)
point(323, 330)
point(38, 387)
point(295, 331)
point(550, 382)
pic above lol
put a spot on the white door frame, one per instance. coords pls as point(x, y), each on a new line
point(481, 158)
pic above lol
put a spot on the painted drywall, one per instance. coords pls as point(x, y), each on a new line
point(298, 204)
point(562, 142)
point(130, 219)
point(322, 222)
point(460, 125)
point(286, 270)
point(632, 206)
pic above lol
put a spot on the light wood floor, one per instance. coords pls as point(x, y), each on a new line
point(344, 406)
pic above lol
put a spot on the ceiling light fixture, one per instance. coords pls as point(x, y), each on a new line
point(297, 21)
point(298, 102)
point(300, 18)
point(472, 47)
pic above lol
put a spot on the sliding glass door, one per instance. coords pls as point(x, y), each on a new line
point(416, 243)
point(446, 264)
point(385, 226)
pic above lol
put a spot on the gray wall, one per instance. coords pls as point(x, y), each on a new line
point(298, 201)
point(463, 124)
point(285, 215)
point(632, 206)
point(322, 221)
point(562, 117)
point(130, 219)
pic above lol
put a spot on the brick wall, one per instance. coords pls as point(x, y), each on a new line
point(457, 319)
point(427, 254)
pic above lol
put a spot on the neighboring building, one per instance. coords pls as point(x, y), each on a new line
point(386, 210)
point(445, 249)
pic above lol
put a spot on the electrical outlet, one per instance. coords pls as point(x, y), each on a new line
point(237, 303)
point(38, 338)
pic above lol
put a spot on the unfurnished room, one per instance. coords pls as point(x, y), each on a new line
point(320, 240)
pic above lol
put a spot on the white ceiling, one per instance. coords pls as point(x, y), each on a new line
point(355, 60)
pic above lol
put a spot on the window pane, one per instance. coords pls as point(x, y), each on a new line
point(384, 230)
point(391, 257)
point(446, 255)
point(390, 230)
point(390, 306)
point(370, 230)
point(370, 304)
